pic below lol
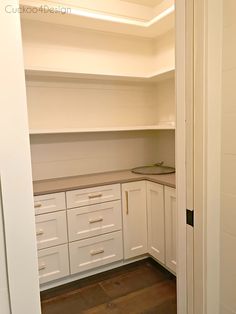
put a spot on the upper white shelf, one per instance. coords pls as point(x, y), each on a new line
point(151, 25)
point(37, 73)
point(160, 126)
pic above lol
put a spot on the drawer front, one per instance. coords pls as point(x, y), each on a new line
point(49, 203)
point(89, 221)
point(92, 196)
point(51, 229)
point(95, 252)
point(53, 263)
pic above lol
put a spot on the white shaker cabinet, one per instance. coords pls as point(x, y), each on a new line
point(156, 221)
point(134, 218)
point(170, 226)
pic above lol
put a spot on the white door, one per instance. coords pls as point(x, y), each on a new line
point(156, 221)
point(170, 228)
point(15, 172)
point(134, 218)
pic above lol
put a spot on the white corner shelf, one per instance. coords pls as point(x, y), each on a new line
point(161, 126)
point(37, 73)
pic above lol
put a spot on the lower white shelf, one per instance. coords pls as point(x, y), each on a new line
point(161, 126)
point(40, 72)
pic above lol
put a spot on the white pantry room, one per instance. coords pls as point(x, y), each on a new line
point(100, 83)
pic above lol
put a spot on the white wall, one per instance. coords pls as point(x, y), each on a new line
point(83, 104)
point(77, 154)
point(86, 104)
point(58, 105)
point(164, 51)
point(74, 49)
point(228, 168)
point(89, 104)
point(165, 101)
point(85, 51)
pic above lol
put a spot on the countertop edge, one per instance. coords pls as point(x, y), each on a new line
point(102, 183)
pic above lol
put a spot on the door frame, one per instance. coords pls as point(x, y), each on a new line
point(181, 191)
point(208, 25)
point(207, 74)
point(18, 237)
point(184, 153)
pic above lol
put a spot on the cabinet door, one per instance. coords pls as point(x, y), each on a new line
point(170, 226)
point(156, 221)
point(134, 218)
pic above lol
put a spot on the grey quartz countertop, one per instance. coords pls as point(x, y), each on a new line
point(92, 180)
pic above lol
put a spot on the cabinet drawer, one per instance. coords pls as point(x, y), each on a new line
point(53, 263)
point(49, 203)
point(85, 222)
point(51, 229)
point(92, 196)
point(95, 252)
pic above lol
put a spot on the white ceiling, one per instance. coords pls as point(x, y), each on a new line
point(149, 3)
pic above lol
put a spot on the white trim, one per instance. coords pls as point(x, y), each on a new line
point(110, 18)
point(106, 17)
point(208, 45)
point(213, 153)
point(190, 148)
point(181, 158)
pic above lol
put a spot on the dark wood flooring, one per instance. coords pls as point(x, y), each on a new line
point(142, 287)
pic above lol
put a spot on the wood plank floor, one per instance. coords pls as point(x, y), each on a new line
point(142, 287)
